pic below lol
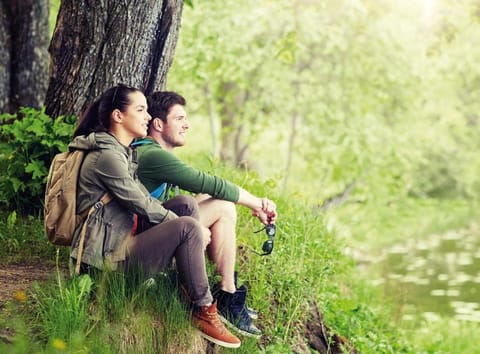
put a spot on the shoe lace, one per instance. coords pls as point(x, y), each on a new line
point(244, 315)
point(213, 319)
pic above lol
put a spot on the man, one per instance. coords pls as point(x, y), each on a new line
point(159, 170)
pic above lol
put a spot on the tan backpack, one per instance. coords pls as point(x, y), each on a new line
point(61, 218)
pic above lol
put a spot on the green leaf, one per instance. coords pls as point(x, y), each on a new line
point(37, 169)
point(16, 184)
point(38, 126)
point(11, 220)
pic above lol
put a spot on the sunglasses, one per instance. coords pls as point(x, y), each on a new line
point(267, 246)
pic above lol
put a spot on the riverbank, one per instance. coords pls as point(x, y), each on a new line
point(422, 258)
point(299, 279)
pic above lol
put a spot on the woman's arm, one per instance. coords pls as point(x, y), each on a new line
point(113, 171)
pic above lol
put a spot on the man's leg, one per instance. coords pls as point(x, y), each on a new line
point(220, 217)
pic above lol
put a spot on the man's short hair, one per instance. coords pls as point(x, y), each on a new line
point(160, 102)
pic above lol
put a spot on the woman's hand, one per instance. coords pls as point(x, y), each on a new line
point(207, 236)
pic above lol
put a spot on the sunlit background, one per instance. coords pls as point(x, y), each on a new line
point(368, 110)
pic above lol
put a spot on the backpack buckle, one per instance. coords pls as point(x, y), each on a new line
point(98, 204)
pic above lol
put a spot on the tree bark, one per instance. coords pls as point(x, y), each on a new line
point(23, 53)
point(214, 120)
point(98, 44)
point(233, 147)
point(4, 59)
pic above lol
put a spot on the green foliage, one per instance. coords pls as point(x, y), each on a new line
point(354, 100)
point(30, 140)
point(308, 267)
point(22, 240)
point(235, 95)
point(62, 309)
point(369, 228)
point(372, 94)
point(356, 316)
point(445, 336)
point(52, 15)
point(104, 312)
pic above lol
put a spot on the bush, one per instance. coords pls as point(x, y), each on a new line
point(30, 140)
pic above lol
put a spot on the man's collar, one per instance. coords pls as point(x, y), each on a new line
point(144, 141)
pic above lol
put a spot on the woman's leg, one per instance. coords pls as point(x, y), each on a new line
point(183, 205)
point(153, 250)
point(182, 238)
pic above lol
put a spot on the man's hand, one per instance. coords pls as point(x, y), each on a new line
point(267, 214)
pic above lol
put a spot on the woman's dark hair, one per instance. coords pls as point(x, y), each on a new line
point(96, 117)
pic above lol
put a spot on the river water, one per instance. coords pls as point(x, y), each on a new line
point(437, 276)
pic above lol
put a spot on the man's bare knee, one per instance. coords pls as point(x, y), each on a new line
point(229, 210)
point(225, 210)
point(216, 210)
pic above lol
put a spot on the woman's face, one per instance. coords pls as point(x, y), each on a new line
point(135, 119)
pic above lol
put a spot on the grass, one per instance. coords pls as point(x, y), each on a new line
point(369, 228)
point(446, 336)
point(105, 313)
point(111, 313)
point(22, 240)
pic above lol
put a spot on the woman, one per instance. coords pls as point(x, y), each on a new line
point(106, 131)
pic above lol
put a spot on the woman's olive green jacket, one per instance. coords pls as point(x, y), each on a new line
point(110, 167)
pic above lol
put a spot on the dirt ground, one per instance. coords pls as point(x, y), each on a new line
point(15, 279)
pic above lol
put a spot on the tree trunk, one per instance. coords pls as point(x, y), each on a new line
point(295, 119)
point(290, 149)
point(23, 53)
point(4, 59)
point(236, 127)
point(233, 148)
point(98, 44)
point(214, 120)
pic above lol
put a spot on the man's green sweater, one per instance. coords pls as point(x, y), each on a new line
point(157, 166)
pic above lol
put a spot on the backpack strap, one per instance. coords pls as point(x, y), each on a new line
point(157, 192)
point(103, 201)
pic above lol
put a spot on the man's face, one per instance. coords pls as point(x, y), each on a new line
point(173, 133)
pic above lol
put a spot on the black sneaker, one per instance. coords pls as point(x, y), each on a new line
point(232, 311)
point(251, 312)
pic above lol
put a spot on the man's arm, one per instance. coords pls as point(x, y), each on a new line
point(156, 166)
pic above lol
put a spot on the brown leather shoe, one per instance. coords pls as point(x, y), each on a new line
point(205, 318)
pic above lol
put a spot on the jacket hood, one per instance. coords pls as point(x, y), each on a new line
point(96, 141)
